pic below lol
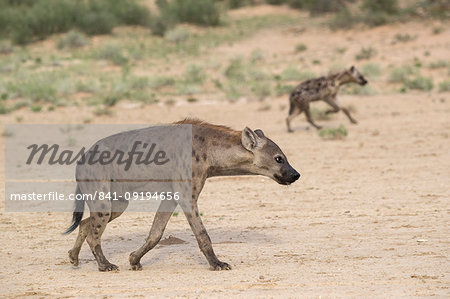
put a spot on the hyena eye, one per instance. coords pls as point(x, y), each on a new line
point(279, 159)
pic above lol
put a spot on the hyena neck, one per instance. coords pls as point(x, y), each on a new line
point(342, 78)
point(229, 157)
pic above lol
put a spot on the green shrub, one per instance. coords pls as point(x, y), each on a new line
point(386, 6)
point(27, 21)
point(6, 47)
point(159, 82)
point(439, 64)
point(401, 74)
point(177, 35)
point(300, 48)
point(343, 19)
point(200, 12)
point(112, 52)
point(444, 86)
point(333, 133)
point(73, 39)
point(366, 53)
point(371, 70)
point(419, 83)
point(235, 70)
point(403, 38)
point(97, 22)
point(316, 7)
point(194, 74)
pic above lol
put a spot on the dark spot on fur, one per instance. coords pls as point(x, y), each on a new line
point(193, 153)
point(100, 214)
point(215, 143)
point(196, 214)
point(99, 226)
point(204, 157)
point(201, 138)
point(197, 158)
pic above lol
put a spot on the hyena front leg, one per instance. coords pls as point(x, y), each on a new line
point(336, 108)
point(162, 216)
point(203, 239)
point(100, 215)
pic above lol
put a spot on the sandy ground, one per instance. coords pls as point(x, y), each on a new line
point(370, 216)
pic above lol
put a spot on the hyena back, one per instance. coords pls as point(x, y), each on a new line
point(322, 88)
point(216, 151)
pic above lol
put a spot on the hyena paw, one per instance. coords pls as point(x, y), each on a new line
point(108, 267)
point(290, 131)
point(354, 121)
point(220, 266)
point(73, 259)
point(319, 127)
point(134, 262)
point(136, 267)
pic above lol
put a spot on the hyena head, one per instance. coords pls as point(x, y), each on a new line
point(268, 159)
point(356, 76)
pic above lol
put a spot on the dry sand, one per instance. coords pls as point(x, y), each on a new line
point(369, 216)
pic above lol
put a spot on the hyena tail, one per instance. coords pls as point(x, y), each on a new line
point(77, 213)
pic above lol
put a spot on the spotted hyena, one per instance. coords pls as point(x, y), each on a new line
point(216, 151)
point(322, 88)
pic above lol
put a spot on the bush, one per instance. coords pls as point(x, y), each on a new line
point(439, 64)
point(316, 7)
point(444, 86)
point(6, 47)
point(401, 74)
point(376, 6)
point(333, 133)
point(343, 20)
point(235, 70)
point(200, 12)
point(371, 70)
point(366, 53)
point(300, 48)
point(112, 52)
point(26, 21)
point(419, 83)
point(73, 39)
point(97, 23)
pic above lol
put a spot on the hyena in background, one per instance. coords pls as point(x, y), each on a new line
point(322, 88)
point(216, 151)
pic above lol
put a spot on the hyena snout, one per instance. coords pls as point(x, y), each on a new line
point(363, 81)
point(287, 177)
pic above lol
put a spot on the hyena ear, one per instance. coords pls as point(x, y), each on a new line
point(352, 69)
point(259, 133)
point(249, 139)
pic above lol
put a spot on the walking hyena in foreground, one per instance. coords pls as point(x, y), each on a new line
point(322, 88)
point(216, 151)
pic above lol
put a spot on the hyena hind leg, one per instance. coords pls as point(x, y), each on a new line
point(293, 112)
point(82, 234)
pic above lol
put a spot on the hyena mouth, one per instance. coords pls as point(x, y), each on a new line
point(280, 180)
